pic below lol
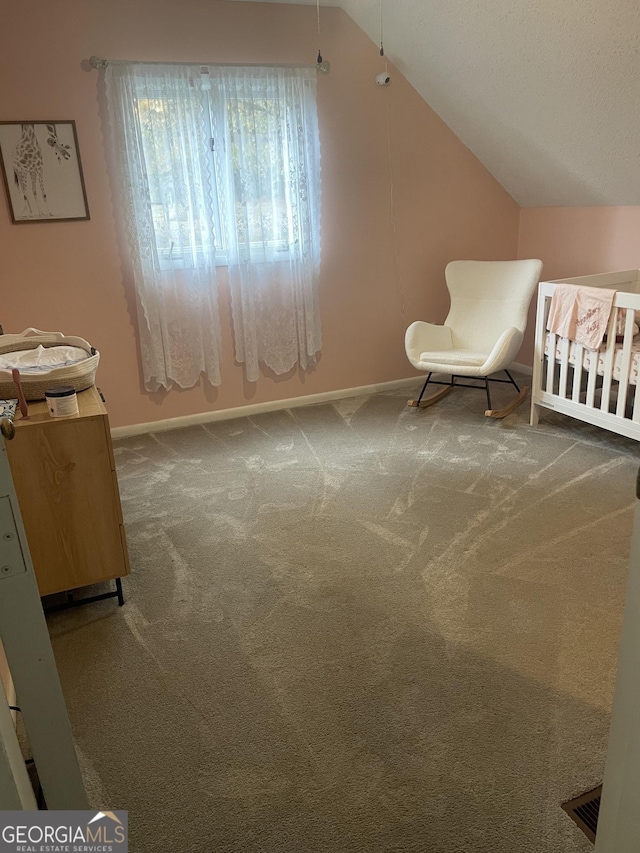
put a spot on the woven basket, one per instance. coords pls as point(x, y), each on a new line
point(79, 376)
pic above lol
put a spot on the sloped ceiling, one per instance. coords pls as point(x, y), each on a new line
point(546, 93)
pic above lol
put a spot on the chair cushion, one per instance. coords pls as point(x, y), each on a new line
point(463, 357)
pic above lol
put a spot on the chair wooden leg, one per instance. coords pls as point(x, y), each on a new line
point(510, 407)
point(422, 404)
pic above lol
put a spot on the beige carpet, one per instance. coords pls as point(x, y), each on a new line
point(357, 627)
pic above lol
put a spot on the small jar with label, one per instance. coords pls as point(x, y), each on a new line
point(62, 401)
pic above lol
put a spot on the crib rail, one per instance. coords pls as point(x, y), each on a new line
point(602, 388)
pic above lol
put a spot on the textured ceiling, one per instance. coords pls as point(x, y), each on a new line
point(546, 93)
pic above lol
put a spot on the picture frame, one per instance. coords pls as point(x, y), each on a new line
point(42, 171)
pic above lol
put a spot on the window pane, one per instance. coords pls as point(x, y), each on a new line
point(183, 227)
point(262, 214)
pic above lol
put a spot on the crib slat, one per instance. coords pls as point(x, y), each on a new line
point(577, 373)
point(551, 361)
point(609, 355)
point(591, 381)
point(564, 366)
point(625, 363)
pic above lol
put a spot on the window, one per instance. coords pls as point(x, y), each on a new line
point(219, 165)
point(246, 139)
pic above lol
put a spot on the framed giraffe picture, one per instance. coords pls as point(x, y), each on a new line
point(42, 171)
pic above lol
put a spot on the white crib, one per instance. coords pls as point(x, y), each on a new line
point(600, 387)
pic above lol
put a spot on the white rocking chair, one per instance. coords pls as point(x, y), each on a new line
point(483, 330)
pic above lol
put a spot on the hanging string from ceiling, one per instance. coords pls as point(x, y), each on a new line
point(324, 66)
point(384, 78)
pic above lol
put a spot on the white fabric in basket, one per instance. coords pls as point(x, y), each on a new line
point(42, 359)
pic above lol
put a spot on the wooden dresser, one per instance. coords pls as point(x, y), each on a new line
point(65, 479)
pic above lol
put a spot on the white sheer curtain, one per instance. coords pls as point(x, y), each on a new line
point(159, 116)
point(270, 191)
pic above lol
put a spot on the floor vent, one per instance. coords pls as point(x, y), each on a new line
point(584, 810)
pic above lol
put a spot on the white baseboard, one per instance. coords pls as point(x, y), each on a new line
point(272, 406)
point(257, 408)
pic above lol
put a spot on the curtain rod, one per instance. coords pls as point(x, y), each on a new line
point(98, 63)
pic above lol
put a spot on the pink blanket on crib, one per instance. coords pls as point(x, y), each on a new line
point(580, 313)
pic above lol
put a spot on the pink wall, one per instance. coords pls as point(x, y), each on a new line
point(574, 241)
point(378, 273)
